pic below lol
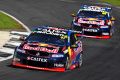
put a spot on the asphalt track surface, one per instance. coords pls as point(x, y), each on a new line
point(101, 57)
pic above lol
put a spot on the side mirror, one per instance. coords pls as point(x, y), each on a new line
point(73, 15)
point(112, 19)
point(22, 38)
point(74, 46)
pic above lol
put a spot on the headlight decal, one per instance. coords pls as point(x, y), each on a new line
point(20, 50)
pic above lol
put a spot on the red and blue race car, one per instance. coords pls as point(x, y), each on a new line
point(94, 21)
point(49, 48)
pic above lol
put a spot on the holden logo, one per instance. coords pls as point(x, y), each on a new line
point(28, 58)
point(38, 54)
point(90, 26)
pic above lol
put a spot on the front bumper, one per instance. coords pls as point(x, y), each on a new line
point(38, 68)
point(50, 64)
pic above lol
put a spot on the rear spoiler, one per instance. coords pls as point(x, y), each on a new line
point(95, 8)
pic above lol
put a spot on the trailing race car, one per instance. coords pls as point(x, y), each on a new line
point(94, 21)
point(48, 48)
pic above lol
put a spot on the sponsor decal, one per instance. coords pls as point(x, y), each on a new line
point(99, 22)
point(40, 49)
point(91, 30)
point(37, 59)
point(105, 33)
point(51, 31)
point(57, 55)
point(104, 27)
point(90, 26)
point(58, 65)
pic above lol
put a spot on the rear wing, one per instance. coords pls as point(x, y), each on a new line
point(95, 8)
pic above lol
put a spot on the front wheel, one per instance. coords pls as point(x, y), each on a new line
point(67, 64)
point(111, 31)
point(80, 61)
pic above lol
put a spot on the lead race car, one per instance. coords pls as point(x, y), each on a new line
point(49, 48)
point(94, 21)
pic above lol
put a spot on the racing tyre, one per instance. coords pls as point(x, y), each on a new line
point(67, 64)
point(111, 31)
point(80, 61)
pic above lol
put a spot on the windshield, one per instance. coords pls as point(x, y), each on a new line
point(91, 14)
point(46, 38)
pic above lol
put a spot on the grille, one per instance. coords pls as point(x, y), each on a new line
point(38, 53)
point(38, 64)
point(89, 25)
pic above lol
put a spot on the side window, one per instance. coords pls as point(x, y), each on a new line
point(72, 39)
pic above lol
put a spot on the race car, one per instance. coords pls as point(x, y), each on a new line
point(49, 48)
point(94, 21)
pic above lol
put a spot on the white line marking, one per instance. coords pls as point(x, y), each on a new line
point(20, 33)
point(14, 36)
point(7, 50)
point(3, 59)
point(14, 43)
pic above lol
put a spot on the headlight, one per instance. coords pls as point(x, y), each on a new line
point(65, 51)
point(109, 23)
point(20, 50)
point(57, 55)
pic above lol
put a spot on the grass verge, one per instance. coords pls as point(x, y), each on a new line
point(113, 2)
point(7, 23)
